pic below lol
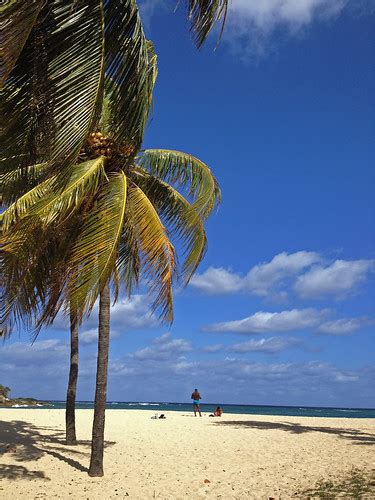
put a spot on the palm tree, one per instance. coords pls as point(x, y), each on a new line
point(24, 17)
point(114, 203)
point(95, 174)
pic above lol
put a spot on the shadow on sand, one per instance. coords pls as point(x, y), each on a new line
point(354, 435)
point(25, 442)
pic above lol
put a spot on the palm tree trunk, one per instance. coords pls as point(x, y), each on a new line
point(70, 419)
point(97, 444)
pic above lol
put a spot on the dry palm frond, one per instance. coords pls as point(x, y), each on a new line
point(156, 250)
point(180, 218)
point(94, 252)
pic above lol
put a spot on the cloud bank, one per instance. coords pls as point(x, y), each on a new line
point(305, 274)
point(269, 322)
point(170, 370)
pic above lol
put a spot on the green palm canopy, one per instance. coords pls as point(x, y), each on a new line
point(85, 203)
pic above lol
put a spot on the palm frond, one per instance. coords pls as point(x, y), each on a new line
point(20, 208)
point(130, 64)
point(157, 253)
point(183, 169)
point(128, 261)
point(14, 183)
point(53, 93)
point(19, 18)
point(180, 218)
point(35, 274)
point(203, 15)
point(94, 253)
point(22, 288)
point(83, 182)
point(76, 72)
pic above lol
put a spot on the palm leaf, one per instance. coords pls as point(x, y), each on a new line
point(128, 262)
point(203, 14)
point(20, 208)
point(85, 178)
point(157, 252)
point(94, 253)
point(183, 170)
point(53, 93)
point(35, 273)
point(20, 18)
point(77, 72)
point(180, 217)
point(22, 288)
point(130, 64)
point(14, 183)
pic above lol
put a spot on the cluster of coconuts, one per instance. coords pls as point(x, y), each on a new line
point(100, 144)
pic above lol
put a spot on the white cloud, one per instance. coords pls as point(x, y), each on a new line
point(264, 322)
point(217, 280)
point(213, 348)
point(261, 280)
point(251, 24)
point(304, 272)
point(163, 348)
point(268, 14)
point(19, 354)
point(132, 313)
point(339, 279)
point(343, 326)
point(267, 345)
point(88, 337)
point(319, 369)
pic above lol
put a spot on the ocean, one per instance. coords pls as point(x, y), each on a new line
point(291, 411)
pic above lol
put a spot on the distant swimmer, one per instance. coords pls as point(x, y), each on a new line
point(196, 397)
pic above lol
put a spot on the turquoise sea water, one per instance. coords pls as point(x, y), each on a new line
point(301, 411)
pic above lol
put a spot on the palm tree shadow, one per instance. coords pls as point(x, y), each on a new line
point(356, 436)
point(27, 443)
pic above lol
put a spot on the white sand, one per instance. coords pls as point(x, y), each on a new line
point(242, 456)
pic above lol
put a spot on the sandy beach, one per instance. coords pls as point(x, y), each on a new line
point(235, 456)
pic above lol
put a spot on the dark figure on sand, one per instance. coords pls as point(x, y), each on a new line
point(217, 413)
point(196, 397)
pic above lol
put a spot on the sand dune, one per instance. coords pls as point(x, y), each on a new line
point(237, 456)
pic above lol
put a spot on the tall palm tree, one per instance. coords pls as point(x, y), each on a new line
point(113, 206)
point(61, 141)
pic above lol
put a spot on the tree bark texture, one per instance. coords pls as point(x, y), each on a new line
point(70, 421)
point(97, 444)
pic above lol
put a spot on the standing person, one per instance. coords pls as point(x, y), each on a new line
point(196, 397)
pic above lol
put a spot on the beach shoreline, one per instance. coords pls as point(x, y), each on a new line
point(235, 456)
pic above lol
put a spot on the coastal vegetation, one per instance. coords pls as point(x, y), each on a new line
point(7, 402)
point(86, 210)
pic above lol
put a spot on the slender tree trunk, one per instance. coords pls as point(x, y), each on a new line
point(70, 418)
point(97, 444)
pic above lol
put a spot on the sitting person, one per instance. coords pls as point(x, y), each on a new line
point(217, 413)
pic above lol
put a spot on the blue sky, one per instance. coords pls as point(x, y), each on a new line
point(282, 308)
